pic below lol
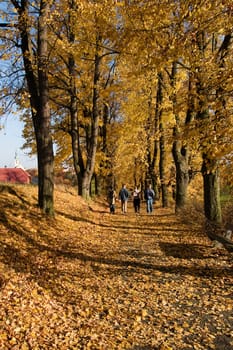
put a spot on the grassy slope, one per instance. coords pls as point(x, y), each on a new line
point(91, 280)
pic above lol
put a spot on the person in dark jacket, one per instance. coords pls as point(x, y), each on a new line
point(112, 197)
point(124, 196)
point(149, 196)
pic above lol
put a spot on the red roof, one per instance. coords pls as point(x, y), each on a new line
point(14, 175)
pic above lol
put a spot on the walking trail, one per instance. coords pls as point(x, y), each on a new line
point(92, 280)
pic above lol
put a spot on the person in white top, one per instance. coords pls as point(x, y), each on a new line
point(136, 199)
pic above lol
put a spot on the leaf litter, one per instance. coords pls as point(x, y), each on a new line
point(91, 280)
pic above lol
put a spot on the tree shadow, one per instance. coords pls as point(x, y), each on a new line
point(126, 227)
point(22, 255)
point(22, 262)
point(75, 218)
point(24, 249)
point(223, 342)
point(183, 251)
point(141, 347)
point(4, 188)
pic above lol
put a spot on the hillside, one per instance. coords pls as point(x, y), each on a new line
point(91, 280)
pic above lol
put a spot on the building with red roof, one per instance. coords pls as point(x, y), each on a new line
point(14, 175)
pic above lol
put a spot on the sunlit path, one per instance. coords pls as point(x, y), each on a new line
point(93, 280)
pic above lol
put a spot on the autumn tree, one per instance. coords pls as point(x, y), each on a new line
point(211, 118)
point(162, 142)
point(139, 73)
point(180, 149)
point(83, 67)
point(32, 43)
point(134, 84)
point(212, 57)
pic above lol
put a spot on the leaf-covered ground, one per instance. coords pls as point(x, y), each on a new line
point(91, 280)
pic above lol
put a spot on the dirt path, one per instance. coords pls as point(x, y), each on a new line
point(93, 280)
point(162, 284)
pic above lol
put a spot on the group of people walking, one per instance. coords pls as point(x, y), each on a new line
point(124, 195)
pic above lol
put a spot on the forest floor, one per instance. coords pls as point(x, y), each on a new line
point(91, 280)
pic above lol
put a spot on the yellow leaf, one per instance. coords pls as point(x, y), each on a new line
point(24, 346)
point(144, 313)
point(3, 336)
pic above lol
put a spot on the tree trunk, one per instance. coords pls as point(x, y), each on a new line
point(162, 167)
point(180, 150)
point(153, 147)
point(162, 159)
point(211, 182)
point(38, 90)
point(45, 171)
point(45, 145)
point(74, 131)
point(180, 155)
point(74, 128)
point(91, 151)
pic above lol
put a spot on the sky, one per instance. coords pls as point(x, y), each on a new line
point(11, 139)
point(11, 142)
